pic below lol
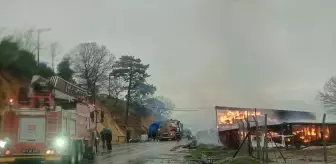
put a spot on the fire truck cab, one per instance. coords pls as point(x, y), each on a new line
point(170, 130)
point(58, 125)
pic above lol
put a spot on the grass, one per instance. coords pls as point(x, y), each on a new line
point(213, 152)
point(219, 155)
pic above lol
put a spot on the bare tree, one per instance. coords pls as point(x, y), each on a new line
point(328, 95)
point(160, 105)
point(118, 86)
point(169, 106)
point(92, 64)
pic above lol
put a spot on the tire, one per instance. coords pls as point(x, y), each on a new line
point(73, 155)
point(79, 152)
point(93, 153)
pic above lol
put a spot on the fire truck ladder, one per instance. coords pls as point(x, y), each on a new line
point(47, 90)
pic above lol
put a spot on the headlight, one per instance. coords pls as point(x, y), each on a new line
point(2, 144)
point(60, 142)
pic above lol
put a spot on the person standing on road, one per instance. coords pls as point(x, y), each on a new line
point(128, 135)
point(103, 138)
point(109, 140)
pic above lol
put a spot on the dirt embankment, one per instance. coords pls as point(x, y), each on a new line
point(116, 122)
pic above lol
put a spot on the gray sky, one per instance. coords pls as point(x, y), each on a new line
point(248, 53)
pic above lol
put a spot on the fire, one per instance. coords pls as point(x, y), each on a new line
point(309, 133)
point(274, 134)
point(229, 116)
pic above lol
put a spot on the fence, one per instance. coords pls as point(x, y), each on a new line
point(299, 142)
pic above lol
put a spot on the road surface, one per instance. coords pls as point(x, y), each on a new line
point(142, 153)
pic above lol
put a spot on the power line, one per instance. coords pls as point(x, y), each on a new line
point(195, 108)
point(185, 109)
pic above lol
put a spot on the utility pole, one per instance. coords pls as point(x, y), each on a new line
point(109, 86)
point(94, 93)
point(39, 31)
point(53, 49)
point(128, 102)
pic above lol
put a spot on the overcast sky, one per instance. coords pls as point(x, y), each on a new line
point(248, 53)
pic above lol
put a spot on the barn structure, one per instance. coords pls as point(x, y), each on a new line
point(302, 126)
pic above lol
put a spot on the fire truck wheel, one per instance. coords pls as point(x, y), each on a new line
point(73, 155)
point(92, 155)
point(79, 152)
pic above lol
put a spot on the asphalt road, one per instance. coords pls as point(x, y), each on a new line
point(142, 153)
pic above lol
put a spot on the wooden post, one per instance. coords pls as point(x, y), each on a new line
point(324, 138)
point(249, 136)
point(276, 146)
point(243, 128)
point(217, 124)
point(257, 136)
point(240, 146)
point(266, 140)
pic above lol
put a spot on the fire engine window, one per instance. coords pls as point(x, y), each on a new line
point(22, 95)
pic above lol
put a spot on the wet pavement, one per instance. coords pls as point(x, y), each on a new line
point(142, 153)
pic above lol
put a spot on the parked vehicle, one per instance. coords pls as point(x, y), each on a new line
point(153, 130)
point(58, 125)
point(170, 130)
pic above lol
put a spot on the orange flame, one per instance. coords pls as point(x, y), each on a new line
point(309, 133)
point(229, 116)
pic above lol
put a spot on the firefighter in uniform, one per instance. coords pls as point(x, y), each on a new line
point(103, 138)
point(109, 140)
point(106, 137)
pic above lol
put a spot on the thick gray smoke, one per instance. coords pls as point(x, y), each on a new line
point(208, 136)
point(226, 52)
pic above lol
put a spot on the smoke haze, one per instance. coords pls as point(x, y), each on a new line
point(267, 54)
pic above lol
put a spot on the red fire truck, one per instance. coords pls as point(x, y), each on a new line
point(170, 129)
point(57, 125)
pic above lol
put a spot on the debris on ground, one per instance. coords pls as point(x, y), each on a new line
point(191, 145)
point(176, 147)
point(241, 160)
point(208, 154)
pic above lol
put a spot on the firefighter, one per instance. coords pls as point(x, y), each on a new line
point(106, 136)
point(128, 135)
point(109, 140)
point(103, 138)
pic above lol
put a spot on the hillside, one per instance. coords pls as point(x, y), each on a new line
point(138, 124)
point(114, 119)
